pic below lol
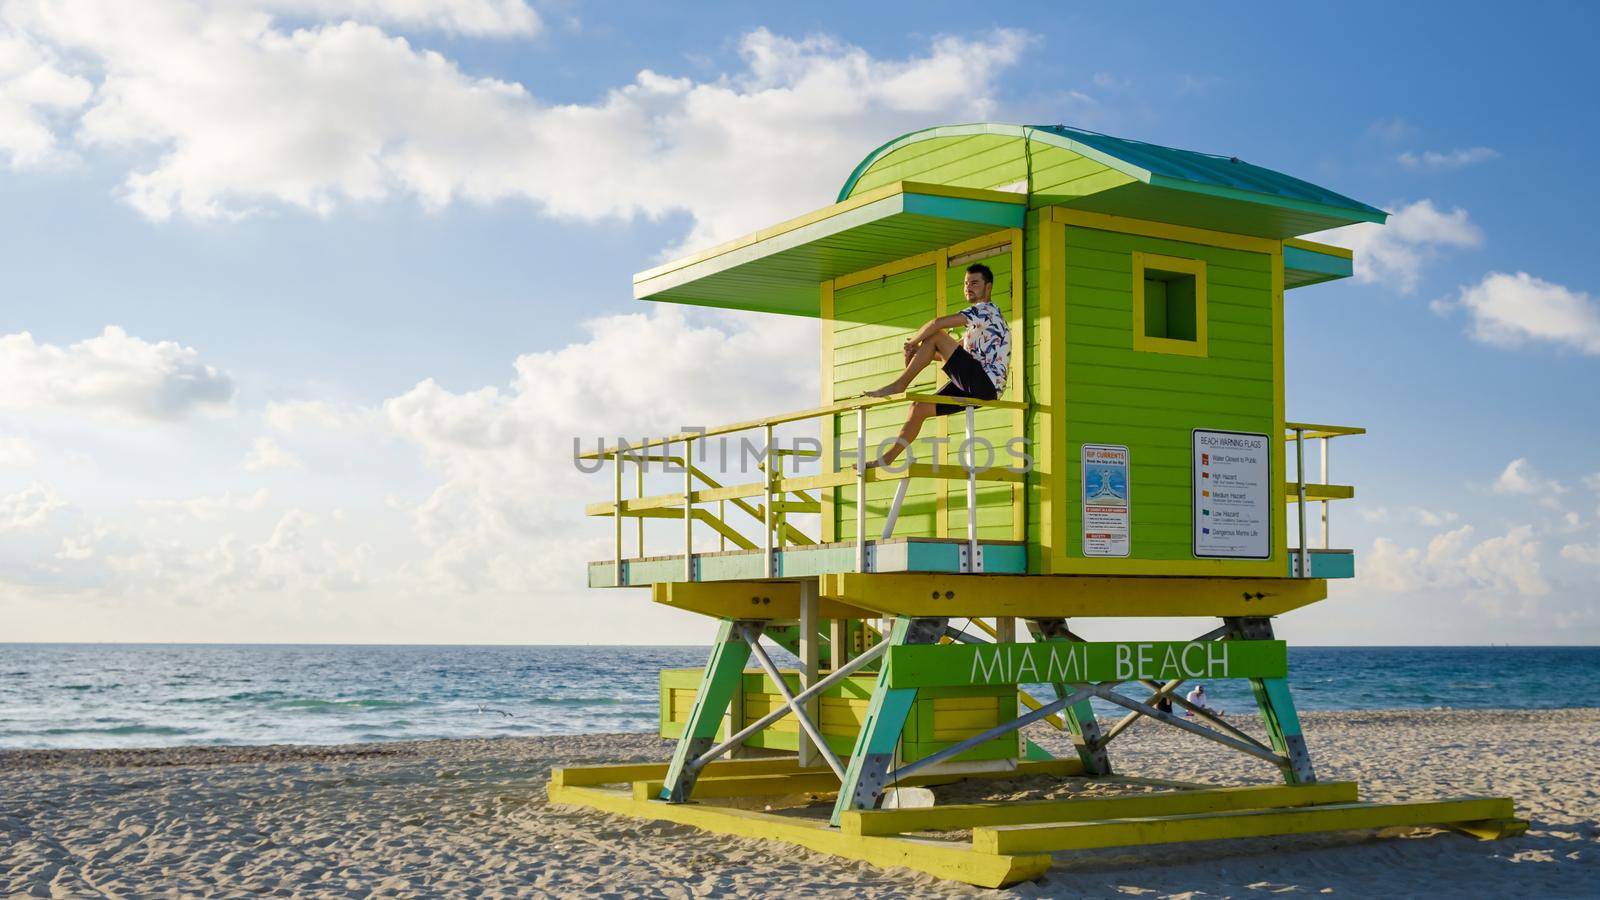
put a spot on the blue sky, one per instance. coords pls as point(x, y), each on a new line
point(367, 263)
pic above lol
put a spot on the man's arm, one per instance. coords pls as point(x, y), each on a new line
point(943, 323)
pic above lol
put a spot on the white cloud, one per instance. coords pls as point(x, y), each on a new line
point(1436, 161)
point(1506, 564)
point(1520, 479)
point(296, 416)
point(267, 455)
point(17, 453)
point(505, 456)
point(1513, 310)
point(210, 509)
point(112, 375)
point(1394, 254)
point(1587, 554)
point(34, 94)
point(331, 114)
point(474, 17)
point(29, 509)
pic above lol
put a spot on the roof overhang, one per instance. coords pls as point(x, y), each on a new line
point(1308, 262)
point(781, 269)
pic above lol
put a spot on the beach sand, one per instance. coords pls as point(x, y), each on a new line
point(471, 818)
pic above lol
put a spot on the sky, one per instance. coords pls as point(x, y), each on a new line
point(305, 300)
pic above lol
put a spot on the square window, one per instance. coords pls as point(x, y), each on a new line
point(1169, 304)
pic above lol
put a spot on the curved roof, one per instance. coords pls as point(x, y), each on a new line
point(1164, 168)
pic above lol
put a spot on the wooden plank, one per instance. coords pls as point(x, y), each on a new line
point(715, 783)
point(1007, 839)
point(1066, 596)
point(627, 773)
point(960, 816)
point(936, 858)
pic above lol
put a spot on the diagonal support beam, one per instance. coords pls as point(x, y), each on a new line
point(838, 675)
point(753, 638)
point(1079, 716)
point(1202, 731)
point(1022, 721)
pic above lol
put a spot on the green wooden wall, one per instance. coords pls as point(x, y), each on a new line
point(871, 322)
point(1149, 401)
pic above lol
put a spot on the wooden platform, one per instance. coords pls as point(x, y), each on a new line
point(1011, 842)
point(892, 555)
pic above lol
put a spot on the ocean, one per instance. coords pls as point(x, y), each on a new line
point(151, 695)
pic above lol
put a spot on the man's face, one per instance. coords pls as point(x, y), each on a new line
point(976, 289)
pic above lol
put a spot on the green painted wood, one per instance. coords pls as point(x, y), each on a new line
point(871, 324)
point(1115, 175)
point(723, 670)
point(1151, 402)
point(1064, 662)
point(874, 748)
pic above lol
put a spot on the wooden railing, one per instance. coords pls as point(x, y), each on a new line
point(779, 494)
point(1302, 491)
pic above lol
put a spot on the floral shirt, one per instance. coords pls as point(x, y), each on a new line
point(988, 339)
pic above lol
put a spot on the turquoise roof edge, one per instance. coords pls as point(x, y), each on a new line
point(1154, 164)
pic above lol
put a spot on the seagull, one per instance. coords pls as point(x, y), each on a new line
point(482, 708)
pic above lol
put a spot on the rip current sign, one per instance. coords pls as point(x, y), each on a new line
point(1232, 495)
point(1105, 500)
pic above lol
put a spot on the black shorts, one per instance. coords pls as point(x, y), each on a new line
point(967, 379)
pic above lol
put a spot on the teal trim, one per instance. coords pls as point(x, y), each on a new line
point(966, 209)
point(1302, 267)
point(722, 674)
point(799, 562)
point(1035, 753)
point(1327, 564)
point(1277, 690)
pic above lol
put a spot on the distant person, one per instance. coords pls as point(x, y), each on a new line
point(976, 365)
point(1197, 697)
point(1164, 703)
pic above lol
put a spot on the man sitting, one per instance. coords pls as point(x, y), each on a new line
point(976, 365)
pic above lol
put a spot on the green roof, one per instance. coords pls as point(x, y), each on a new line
point(1165, 183)
point(780, 269)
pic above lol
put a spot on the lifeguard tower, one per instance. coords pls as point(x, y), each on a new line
point(1137, 465)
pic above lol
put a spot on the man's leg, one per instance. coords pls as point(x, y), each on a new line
point(908, 432)
point(939, 346)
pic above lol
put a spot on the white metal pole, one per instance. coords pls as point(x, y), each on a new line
point(616, 519)
point(688, 510)
point(1326, 540)
point(766, 540)
point(972, 491)
point(1300, 486)
point(861, 489)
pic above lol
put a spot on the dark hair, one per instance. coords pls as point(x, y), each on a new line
point(981, 269)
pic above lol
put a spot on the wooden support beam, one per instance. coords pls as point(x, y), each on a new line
point(809, 754)
point(752, 600)
point(822, 781)
point(942, 860)
point(1009, 839)
point(922, 594)
point(961, 816)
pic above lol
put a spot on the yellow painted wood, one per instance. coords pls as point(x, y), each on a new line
point(733, 600)
point(961, 816)
point(1280, 458)
point(1187, 234)
point(1033, 596)
point(830, 423)
point(893, 267)
point(1314, 432)
point(627, 773)
point(715, 784)
point(1490, 829)
point(1017, 386)
point(941, 859)
point(1319, 492)
point(1050, 458)
point(941, 308)
point(1200, 346)
point(828, 212)
point(1316, 247)
point(1007, 839)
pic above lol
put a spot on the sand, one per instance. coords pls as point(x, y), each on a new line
point(469, 818)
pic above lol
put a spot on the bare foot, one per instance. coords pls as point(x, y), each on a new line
point(886, 391)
